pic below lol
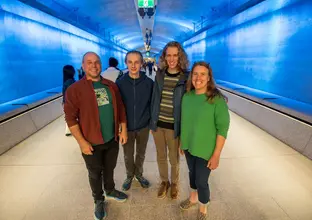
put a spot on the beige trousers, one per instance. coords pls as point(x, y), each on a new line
point(165, 142)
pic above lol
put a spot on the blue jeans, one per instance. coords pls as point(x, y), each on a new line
point(199, 174)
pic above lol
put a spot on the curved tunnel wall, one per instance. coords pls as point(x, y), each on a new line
point(35, 46)
point(264, 50)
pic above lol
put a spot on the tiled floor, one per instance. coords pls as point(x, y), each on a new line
point(259, 178)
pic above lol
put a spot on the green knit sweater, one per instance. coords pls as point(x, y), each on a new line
point(202, 122)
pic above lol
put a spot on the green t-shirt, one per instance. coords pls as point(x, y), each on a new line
point(202, 122)
point(106, 110)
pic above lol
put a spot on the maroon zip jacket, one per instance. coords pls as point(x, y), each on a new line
point(81, 108)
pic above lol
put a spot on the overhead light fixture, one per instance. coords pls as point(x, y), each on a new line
point(146, 3)
point(146, 7)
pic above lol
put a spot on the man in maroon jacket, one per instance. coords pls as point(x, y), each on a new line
point(96, 117)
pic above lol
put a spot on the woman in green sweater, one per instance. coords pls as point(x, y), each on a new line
point(204, 127)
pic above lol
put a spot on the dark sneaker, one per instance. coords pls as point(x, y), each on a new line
point(127, 183)
point(99, 210)
point(163, 189)
point(144, 182)
point(117, 195)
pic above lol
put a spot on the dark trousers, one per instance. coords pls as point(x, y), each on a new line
point(101, 167)
point(140, 138)
point(199, 174)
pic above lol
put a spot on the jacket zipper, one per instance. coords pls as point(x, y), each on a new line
point(134, 104)
point(173, 101)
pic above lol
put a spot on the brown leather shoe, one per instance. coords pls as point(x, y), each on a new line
point(163, 189)
point(174, 191)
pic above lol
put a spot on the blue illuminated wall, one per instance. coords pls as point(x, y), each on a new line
point(262, 48)
point(35, 46)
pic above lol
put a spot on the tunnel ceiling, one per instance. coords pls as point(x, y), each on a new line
point(173, 20)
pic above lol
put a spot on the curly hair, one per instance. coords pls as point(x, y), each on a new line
point(183, 62)
point(212, 90)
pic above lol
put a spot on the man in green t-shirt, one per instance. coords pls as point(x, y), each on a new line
point(94, 113)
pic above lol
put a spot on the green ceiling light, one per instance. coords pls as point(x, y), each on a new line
point(146, 3)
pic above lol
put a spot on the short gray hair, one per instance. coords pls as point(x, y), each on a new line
point(90, 52)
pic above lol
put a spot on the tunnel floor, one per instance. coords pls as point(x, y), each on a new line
point(44, 178)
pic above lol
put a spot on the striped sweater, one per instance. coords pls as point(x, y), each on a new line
point(166, 104)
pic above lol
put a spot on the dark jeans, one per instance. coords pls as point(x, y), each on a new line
point(199, 174)
point(101, 167)
point(135, 166)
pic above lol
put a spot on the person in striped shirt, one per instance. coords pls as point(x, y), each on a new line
point(169, 87)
